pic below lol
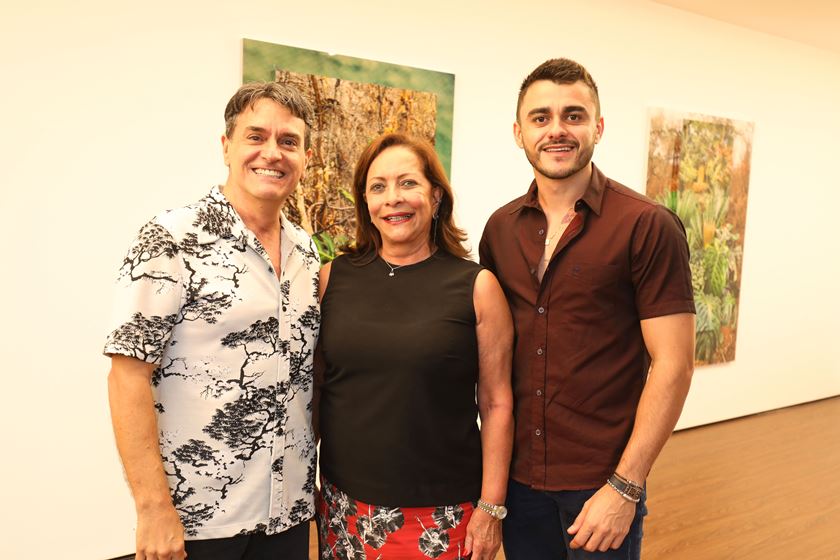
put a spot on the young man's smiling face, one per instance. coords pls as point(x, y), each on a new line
point(265, 153)
point(558, 126)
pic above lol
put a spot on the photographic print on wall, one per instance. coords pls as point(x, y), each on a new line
point(355, 100)
point(699, 167)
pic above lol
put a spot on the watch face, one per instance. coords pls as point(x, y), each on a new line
point(498, 512)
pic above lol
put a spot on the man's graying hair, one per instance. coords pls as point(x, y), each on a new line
point(283, 94)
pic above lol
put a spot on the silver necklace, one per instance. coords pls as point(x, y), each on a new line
point(567, 217)
point(551, 237)
point(393, 268)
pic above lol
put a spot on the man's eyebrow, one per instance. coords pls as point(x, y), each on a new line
point(566, 110)
point(262, 130)
point(575, 109)
point(539, 111)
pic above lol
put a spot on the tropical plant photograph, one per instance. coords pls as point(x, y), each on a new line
point(699, 167)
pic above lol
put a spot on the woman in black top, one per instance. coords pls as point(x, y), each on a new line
point(416, 342)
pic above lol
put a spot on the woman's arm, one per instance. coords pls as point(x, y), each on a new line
point(323, 280)
point(494, 331)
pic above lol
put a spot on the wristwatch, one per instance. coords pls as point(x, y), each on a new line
point(499, 512)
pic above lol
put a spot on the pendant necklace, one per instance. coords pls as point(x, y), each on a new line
point(393, 268)
point(567, 218)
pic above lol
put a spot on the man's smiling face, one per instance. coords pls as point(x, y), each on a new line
point(265, 153)
point(558, 128)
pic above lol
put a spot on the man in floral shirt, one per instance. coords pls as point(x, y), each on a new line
point(211, 352)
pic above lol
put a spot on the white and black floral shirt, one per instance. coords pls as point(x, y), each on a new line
point(197, 295)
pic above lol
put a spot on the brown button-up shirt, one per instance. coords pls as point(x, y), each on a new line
point(580, 362)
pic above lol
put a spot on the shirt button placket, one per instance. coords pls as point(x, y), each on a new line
point(538, 468)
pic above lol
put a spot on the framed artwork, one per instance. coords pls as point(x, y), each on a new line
point(355, 100)
point(699, 167)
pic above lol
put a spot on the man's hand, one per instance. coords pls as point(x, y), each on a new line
point(484, 536)
point(160, 535)
point(603, 522)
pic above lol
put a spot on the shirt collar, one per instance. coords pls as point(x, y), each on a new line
point(218, 219)
point(295, 234)
point(593, 196)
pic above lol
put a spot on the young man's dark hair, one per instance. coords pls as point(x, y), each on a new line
point(560, 71)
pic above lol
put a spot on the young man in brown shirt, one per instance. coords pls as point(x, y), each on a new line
point(598, 282)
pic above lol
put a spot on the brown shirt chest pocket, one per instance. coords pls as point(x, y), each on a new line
point(587, 291)
point(582, 301)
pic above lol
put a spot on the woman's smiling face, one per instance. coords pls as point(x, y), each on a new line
point(400, 199)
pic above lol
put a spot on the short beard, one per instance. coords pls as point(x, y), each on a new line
point(580, 162)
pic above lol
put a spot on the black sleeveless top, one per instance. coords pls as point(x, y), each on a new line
point(398, 403)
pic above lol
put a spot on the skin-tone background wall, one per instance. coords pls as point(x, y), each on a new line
point(113, 111)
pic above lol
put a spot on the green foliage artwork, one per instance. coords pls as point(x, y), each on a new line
point(699, 166)
point(355, 100)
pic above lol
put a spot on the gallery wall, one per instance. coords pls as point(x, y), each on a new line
point(113, 111)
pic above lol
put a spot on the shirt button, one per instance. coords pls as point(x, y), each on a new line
point(542, 231)
point(541, 310)
point(538, 432)
point(539, 392)
point(533, 271)
point(539, 351)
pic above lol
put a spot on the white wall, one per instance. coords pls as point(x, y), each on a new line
point(113, 111)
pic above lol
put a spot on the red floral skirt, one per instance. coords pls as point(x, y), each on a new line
point(352, 530)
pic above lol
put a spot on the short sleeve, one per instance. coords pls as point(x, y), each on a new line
point(660, 265)
point(148, 295)
point(485, 253)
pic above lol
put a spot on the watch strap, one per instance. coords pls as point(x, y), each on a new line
point(496, 511)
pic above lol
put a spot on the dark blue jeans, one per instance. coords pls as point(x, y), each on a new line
point(537, 521)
